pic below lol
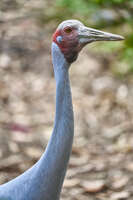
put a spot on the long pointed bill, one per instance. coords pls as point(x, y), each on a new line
point(87, 35)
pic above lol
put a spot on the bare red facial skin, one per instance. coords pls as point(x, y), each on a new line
point(69, 45)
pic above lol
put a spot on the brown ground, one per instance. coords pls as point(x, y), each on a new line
point(101, 165)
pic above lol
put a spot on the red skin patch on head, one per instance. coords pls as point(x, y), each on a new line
point(70, 44)
point(55, 35)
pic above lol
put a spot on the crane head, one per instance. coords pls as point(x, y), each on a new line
point(71, 36)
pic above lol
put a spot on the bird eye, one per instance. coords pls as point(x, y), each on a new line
point(67, 30)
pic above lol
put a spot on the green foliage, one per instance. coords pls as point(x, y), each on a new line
point(127, 53)
point(129, 41)
point(74, 6)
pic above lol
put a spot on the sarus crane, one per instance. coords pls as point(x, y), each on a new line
point(43, 181)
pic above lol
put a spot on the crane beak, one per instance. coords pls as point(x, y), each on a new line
point(88, 35)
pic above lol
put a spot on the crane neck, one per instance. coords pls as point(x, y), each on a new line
point(52, 166)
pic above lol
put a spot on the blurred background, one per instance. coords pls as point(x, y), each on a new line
point(101, 165)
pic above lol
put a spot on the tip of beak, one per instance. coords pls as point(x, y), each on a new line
point(121, 38)
point(113, 37)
